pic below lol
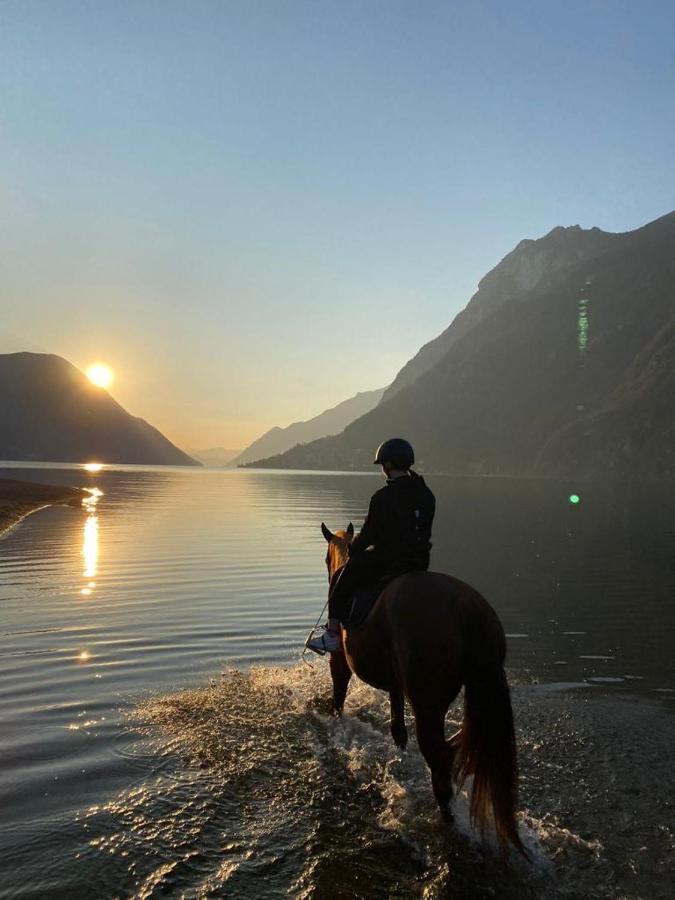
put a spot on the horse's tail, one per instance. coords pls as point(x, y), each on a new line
point(485, 747)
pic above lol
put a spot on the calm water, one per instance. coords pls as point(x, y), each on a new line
point(161, 737)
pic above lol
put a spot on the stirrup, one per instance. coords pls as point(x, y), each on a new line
point(328, 642)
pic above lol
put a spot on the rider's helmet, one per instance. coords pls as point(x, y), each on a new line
point(397, 452)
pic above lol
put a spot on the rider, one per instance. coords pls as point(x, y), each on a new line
point(395, 537)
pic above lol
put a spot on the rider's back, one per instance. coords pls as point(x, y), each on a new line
point(404, 511)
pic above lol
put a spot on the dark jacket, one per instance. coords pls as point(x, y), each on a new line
point(398, 525)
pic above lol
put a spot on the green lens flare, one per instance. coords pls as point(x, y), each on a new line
point(574, 498)
point(582, 325)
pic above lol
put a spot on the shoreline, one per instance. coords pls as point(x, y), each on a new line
point(19, 499)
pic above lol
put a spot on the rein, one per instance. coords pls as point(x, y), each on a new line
point(332, 581)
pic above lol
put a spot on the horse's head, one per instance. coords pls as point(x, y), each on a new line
point(338, 544)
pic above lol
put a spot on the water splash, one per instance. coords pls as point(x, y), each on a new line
point(247, 787)
point(255, 789)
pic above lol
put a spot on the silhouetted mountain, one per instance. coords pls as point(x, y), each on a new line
point(532, 266)
point(572, 376)
point(331, 421)
point(50, 411)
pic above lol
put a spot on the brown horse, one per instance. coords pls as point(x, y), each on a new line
point(426, 636)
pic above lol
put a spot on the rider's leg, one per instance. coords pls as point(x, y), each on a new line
point(340, 595)
point(360, 570)
point(338, 599)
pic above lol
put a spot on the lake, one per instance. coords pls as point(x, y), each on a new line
point(161, 735)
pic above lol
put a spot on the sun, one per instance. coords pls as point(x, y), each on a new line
point(100, 375)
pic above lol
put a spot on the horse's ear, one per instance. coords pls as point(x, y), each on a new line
point(326, 533)
point(350, 531)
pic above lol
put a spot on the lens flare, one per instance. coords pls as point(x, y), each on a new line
point(582, 324)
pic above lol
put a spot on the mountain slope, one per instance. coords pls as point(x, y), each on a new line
point(635, 429)
point(573, 377)
point(331, 421)
point(534, 265)
point(50, 411)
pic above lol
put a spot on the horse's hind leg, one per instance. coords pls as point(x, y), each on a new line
point(398, 730)
point(430, 726)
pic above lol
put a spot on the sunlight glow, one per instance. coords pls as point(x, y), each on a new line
point(84, 656)
point(93, 467)
point(101, 375)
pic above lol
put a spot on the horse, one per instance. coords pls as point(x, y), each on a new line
point(428, 635)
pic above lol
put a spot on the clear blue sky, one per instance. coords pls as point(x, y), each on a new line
point(252, 210)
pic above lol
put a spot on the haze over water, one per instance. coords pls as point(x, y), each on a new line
point(116, 781)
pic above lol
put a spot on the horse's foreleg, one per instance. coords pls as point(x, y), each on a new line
point(431, 739)
point(398, 730)
point(341, 674)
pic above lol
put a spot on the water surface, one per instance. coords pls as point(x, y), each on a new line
point(132, 767)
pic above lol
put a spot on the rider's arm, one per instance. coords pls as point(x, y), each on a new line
point(368, 534)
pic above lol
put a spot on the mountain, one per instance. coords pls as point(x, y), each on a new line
point(215, 456)
point(573, 374)
point(532, 265)
point(331, 421)
point(50, 411)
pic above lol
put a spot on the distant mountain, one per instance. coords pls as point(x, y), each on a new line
point(573, 373)
point(50, 411)
point(331, 421)
point(215, 456)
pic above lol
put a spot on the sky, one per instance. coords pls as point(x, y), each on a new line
point(253, 210)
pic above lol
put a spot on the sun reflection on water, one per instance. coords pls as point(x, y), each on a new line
point(90, 547)
point(90, 502)
point(90, 544)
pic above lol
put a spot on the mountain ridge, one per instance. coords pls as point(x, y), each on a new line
point(524, 269)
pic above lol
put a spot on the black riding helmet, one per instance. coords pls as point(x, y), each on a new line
point(397, 452)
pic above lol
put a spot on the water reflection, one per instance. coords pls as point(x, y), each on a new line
point(90, 548)
point(90, 545)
